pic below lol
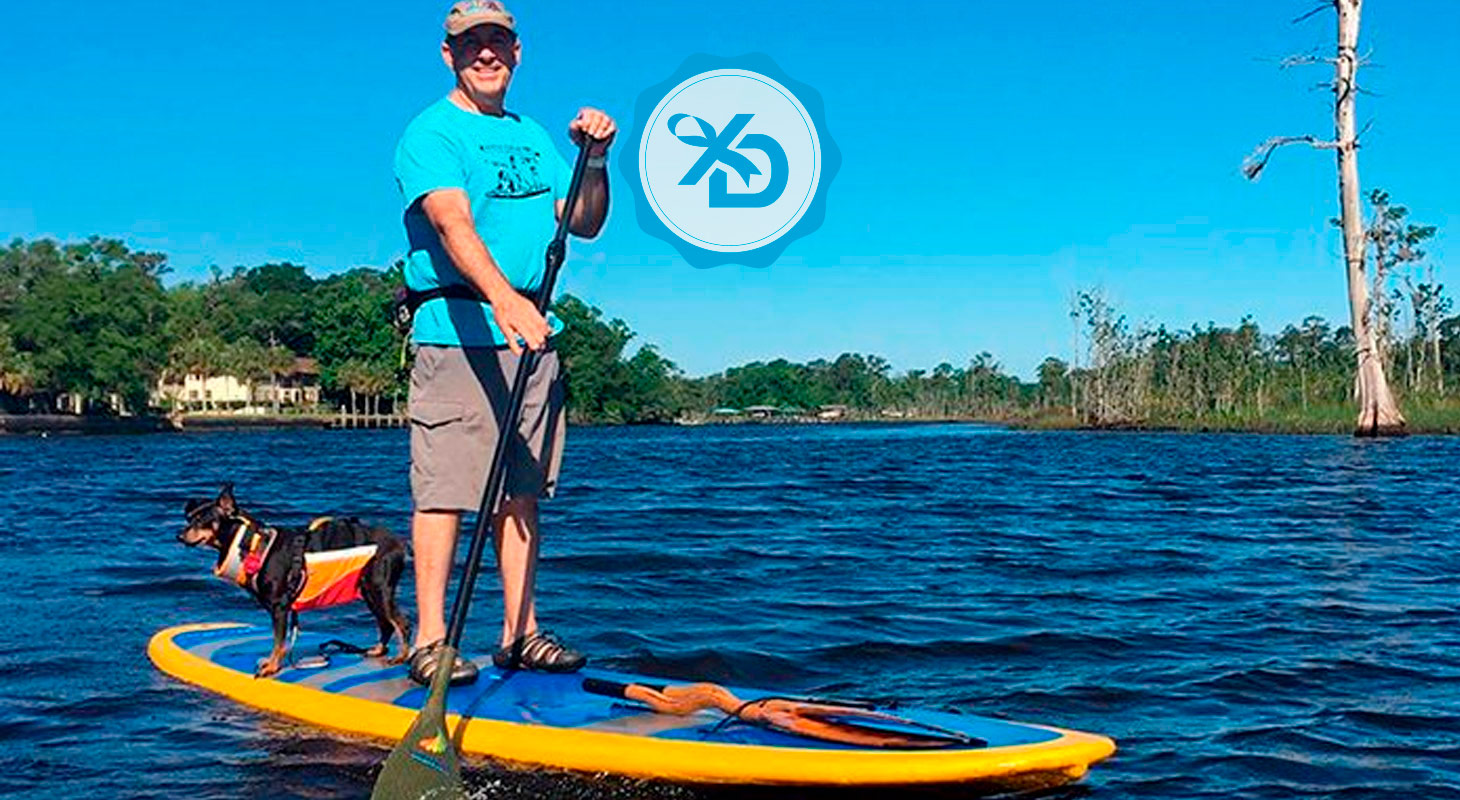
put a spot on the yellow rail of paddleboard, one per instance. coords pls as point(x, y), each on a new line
point(1054, 762)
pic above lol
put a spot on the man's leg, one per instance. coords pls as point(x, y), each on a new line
point(433, 539)
point(517, 545)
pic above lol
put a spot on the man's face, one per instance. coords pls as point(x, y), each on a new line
point(483, 58)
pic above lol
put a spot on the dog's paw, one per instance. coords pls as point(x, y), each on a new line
point(375, 652)
point(266, 669)
point(399, 659)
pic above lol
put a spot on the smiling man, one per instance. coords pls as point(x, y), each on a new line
point(483, 187)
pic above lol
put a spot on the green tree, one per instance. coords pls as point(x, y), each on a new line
point(605, 386)
point(1054, 383)
point(350, 317)
point(91, 317)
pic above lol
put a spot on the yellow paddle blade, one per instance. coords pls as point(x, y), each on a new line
point(425, 765)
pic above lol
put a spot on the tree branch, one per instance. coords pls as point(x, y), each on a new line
point(1303, 60)
point(1316, 9)
point(1253, 165)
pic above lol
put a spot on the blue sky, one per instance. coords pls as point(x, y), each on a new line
point(996, 156)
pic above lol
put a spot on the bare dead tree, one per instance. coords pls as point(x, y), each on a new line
point(1383, 233)
point(1378, 413)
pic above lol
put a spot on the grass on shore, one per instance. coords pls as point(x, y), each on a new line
point(1432, 417)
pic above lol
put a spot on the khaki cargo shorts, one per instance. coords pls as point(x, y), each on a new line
point(456, 396)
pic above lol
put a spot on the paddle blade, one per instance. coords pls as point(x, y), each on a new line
point(425, 765)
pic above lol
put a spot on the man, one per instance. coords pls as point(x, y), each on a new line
point(483, 187)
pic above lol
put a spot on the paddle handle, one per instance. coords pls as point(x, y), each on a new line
point(507, 423)
point(613, 689)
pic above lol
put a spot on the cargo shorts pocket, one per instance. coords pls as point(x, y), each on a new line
point(433, 414)
point(441, 455)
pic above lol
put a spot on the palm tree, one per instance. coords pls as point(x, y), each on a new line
point(17, 369)
point(200, 355)
point(277, 361)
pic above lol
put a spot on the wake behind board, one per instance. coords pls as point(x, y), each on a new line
point(545, 720)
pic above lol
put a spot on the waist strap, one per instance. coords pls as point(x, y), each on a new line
point(407, 300)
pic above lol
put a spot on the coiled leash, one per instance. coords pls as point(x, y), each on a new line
point(326, 649)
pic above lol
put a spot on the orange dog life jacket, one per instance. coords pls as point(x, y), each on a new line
point(331, 577)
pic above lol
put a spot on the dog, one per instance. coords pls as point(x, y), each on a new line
point(331, 561)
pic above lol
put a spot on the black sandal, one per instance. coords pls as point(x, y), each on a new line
point(425, 660)
point(539, 652)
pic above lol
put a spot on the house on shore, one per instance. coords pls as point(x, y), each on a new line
point(296, 389)
point(762, 411)
point(831, 412)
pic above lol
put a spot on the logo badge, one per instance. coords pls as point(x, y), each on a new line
point(731, 161)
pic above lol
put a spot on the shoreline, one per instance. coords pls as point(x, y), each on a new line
point(1427, 424)
point(47, 424)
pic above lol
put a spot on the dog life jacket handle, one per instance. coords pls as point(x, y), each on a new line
point(254, 545)
point(245, 558)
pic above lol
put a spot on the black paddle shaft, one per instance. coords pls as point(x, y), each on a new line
point(507, 423)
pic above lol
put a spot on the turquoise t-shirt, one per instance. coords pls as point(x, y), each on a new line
point(513, 177)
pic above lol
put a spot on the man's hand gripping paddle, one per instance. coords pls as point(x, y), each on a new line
point(425, 765)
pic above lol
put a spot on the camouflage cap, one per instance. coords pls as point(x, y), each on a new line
point(471, 13)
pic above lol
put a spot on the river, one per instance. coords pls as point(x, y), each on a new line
point(1248, 616)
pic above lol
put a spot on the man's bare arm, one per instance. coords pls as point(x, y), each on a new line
point(450, 214)
point(592, 207)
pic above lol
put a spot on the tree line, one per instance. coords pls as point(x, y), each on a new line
point(93, 320)
point(1241, 377)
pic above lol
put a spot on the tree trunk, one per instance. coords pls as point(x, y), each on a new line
point(1378, 414)
point(1439, 364)
point(1075, 360)
point(1411, 376)
point(1378, 303)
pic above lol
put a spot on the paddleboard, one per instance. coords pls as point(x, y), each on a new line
point(540, 720)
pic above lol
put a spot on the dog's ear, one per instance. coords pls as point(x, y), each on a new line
point(225, 500)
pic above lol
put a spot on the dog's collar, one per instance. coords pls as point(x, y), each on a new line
point(246, 553)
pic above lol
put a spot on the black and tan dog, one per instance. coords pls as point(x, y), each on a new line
point(332, 561)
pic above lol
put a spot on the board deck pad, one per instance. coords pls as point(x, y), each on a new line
point(539, 719)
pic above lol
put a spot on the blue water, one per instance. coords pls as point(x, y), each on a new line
point(1249, 616)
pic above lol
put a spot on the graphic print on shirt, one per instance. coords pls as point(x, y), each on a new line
point(518, 170)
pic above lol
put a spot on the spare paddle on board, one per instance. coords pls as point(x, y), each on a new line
point(813, 719)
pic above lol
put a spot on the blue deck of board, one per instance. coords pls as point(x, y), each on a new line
point(543, 699)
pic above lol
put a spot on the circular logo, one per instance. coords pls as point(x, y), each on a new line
point(729, 160)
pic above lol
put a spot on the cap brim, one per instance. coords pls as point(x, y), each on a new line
point(461, 25)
